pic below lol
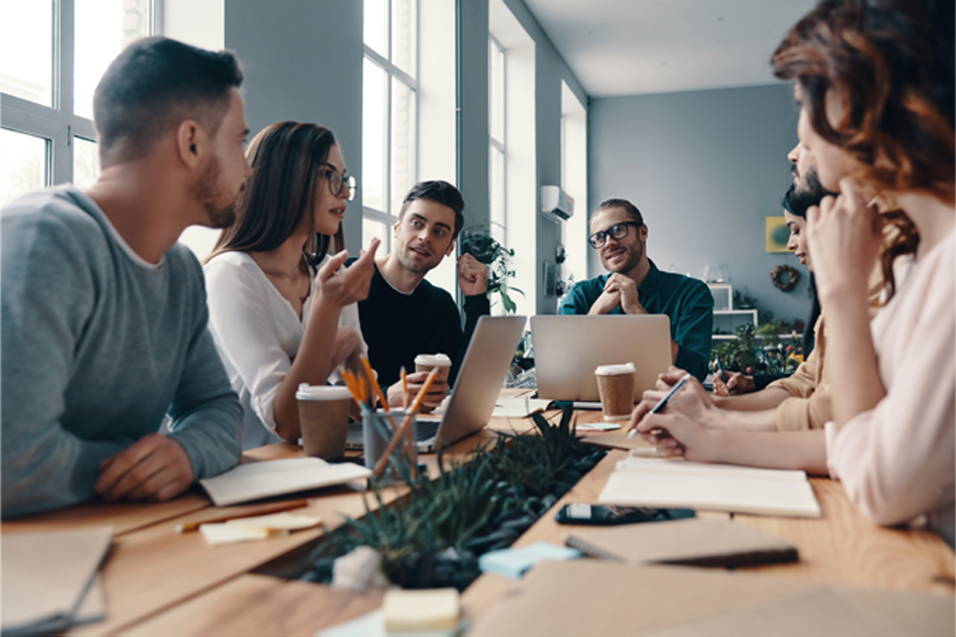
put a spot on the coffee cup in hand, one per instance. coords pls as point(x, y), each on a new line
point(323, 419)
point(428, 362)
point(616, 388)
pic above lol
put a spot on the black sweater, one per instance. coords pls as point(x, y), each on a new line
point(398, 327)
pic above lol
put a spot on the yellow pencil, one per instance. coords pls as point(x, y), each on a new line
point(405, 423)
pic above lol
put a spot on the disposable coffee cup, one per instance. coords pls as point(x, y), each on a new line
point(616, 387)
point(323, 419)
point(428, 362)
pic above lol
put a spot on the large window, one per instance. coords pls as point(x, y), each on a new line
point(54, 53)
point(497, 154)
point(389, 113)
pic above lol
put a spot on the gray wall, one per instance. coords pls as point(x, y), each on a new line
point(550, 70)
point(474, 111)
point(303, 62)
point(705, 168)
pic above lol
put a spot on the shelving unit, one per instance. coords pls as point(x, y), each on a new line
point(726, 318)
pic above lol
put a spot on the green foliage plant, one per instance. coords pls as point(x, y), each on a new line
point(479, 243)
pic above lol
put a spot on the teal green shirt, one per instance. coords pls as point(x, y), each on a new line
point(688, 302)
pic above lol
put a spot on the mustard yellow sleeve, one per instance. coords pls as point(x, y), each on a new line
point(803, 381)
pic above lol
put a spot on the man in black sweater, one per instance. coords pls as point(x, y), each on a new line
point(405, 315)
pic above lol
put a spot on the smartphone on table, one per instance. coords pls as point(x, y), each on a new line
point(603, 515)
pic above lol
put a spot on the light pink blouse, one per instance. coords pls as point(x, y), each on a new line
point(897, 461)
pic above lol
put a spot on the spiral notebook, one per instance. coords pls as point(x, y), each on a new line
point(690, 542)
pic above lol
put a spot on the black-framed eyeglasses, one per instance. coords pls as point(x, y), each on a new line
point(338, 180)
point(617, 232)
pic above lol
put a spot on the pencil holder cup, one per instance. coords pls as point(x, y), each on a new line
point(379, 428)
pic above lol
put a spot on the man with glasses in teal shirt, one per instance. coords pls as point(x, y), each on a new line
point(635, 286)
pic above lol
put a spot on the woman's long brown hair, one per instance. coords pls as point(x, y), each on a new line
point(894, 60)
point(288, 161)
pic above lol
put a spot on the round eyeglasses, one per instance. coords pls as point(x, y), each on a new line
point(338, 180)
point(617, 232)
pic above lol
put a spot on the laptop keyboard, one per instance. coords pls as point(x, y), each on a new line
point(426, 430)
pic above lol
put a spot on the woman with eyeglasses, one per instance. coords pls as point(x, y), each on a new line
point(875, 83)
point(281, 308)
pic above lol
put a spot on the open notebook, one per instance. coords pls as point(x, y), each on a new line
point(666, 484)
point(277, 477)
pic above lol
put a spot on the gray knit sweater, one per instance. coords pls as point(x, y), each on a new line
point(97, 346)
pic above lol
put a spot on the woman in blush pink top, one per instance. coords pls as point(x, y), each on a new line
point(875, 83)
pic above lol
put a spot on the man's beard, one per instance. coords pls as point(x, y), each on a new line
point(209, 194)
point(810, 193)
point(634, 257)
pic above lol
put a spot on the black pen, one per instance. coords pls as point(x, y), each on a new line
point(663, 403)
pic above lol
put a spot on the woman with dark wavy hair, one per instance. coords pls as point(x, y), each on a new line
point(281, 309)
point(875, 83)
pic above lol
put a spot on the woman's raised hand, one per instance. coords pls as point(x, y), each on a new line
point(845, 239)
point(340, 287)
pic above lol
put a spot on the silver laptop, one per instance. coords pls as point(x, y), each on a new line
point(479, 382)
point(567, 349)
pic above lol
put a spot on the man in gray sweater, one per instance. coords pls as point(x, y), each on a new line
point(104, 315)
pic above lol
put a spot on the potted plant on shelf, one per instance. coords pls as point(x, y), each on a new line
point(479, 243)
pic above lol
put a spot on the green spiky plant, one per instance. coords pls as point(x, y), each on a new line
point(427, 535)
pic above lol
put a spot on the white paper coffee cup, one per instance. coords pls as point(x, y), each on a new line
point(616, 388)
point(323, 419)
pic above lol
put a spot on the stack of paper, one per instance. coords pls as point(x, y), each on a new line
point(661, 483)
point(49, 579)
point(277, 477)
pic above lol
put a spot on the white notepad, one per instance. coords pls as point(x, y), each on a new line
point(662, 483)
point(46, 577)
point(277, 477)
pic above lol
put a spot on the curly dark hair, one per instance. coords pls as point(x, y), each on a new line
point(894, 61)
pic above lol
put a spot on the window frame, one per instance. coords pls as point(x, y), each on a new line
point(393, 72)
point(58, 124)
point(495, 144)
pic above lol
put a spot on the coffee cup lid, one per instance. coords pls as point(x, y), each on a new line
point(613, 370)
point(433, 360)
point(322, 392)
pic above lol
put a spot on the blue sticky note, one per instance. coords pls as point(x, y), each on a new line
point(514, 562)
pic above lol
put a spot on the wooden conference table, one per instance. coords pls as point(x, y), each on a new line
point(160, 582)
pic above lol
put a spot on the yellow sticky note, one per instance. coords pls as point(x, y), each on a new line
point(217, 534)
point(276, 522)
point(413, 611)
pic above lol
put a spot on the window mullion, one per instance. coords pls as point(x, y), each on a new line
point(62, 161)
point(389, 107)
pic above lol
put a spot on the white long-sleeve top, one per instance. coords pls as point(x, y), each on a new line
point(257, 333)
point(897, 461)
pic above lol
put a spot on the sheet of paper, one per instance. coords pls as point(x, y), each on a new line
point(370, 625)
point(598, 426)
point(518, 406)
point(44, 577)
point(277, 477)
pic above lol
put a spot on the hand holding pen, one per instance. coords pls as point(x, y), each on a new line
point(660, 406)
